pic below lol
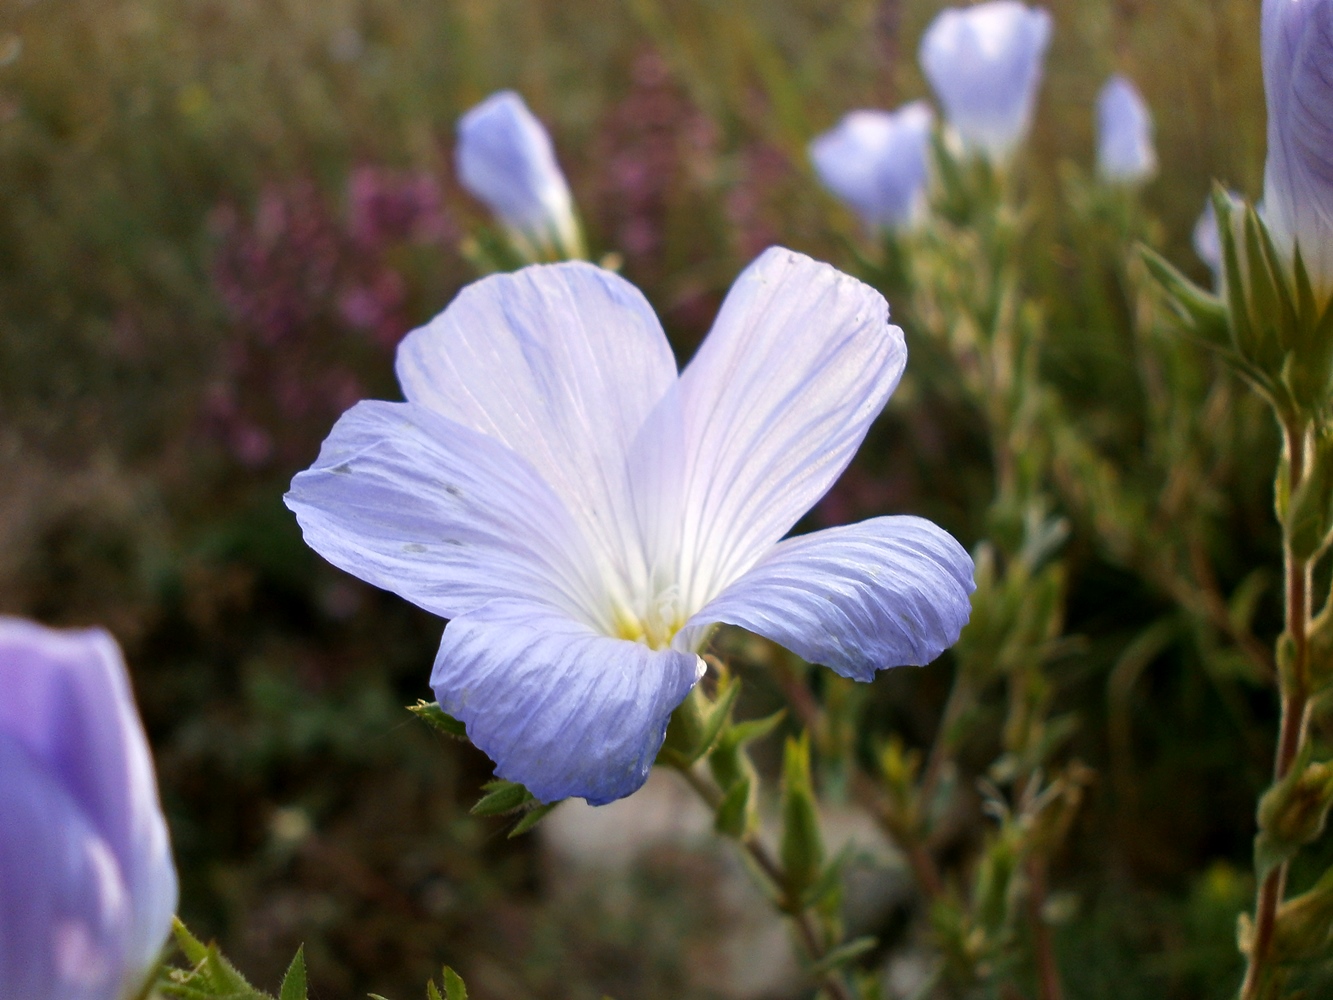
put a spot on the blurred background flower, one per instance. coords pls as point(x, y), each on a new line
point(878, 163)
point(1125, 152)
point(86, 873)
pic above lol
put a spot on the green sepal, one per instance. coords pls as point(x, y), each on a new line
point(531, 818)
point(735, 818)
point(434, 716)
point(695, 724)
point(1303, 930)
point(294, 982)
point(802, 847)
point(502, 797)
point(1203, 314)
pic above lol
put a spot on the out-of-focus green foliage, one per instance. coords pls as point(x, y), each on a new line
point(219, 216)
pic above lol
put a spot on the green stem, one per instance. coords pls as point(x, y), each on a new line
point(1295, 687)
point(764, 860)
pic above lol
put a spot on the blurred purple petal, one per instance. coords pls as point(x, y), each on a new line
point(1125, 152)
point(985, 64)
point(877, 162)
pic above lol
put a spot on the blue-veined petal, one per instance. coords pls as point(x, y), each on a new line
point(65, 696)
point(1297, 44)
point(64, 927)
point(562, 363)
point(559, 708)
point(780, 395)
point(448, 518)
point(887, 592)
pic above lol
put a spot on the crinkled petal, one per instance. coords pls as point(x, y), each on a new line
point(887, 592)
point(448, 518)
point(64, 907)
point(65, 696)
point(562, 363)
point(799, 363)
point(560, 709)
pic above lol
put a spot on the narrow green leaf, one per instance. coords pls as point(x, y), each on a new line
point(294, 982)
point(432, 991)
point(843, 954)
point(502, 797)
point(802, 847)
point(532, 817)
point(434, 716)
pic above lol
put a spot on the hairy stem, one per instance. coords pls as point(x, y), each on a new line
point(1294, 684)
point(764, 860)
point(1048, 973)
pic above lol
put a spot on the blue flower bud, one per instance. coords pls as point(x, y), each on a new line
point(877, 162)
point(87, 885)
point(505, 159)
point(985, 63)
point(1297, 40)
point(1125, 153)
point(1208, 241)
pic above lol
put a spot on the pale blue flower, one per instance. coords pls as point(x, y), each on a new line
point(1125, 153)
point(1298, 178)
point(584, 514)
point(878, 163)
point(505, 159)
point(87, 884)
point(985, 63)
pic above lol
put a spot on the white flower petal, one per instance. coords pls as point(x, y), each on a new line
point(560, 709)
point(562, 363)
point(887, 592)
point(448, 518)
point(799, 363)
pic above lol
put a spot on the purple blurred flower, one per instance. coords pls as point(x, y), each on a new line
point(1298, 178)
point(1125, 153)
point(385, 207)
point(984, 64)
point(878, 163)
point(87, 884)
point(585, 515)
point(505, 159)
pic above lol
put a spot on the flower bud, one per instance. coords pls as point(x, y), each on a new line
point(505, 159)
point(87, 884)
point(1297, 38)
point(984, 63)
point(877, 162)
point(1125, 153)
point(1208, 241)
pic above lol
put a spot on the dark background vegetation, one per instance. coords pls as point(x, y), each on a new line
point(217, 218)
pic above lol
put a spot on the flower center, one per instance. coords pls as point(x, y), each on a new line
point(655, 623)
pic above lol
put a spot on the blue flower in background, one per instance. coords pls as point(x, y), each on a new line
point(985, 63)
point(878, 163)
point(505, 159)
point(1125, 153)
point(1208, 241)
point(1298, 178)
point(585, 514)
point(87, 884)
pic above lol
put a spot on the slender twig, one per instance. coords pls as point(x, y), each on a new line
point(1048, 973)
point(1294, 684)
point(764, 860)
